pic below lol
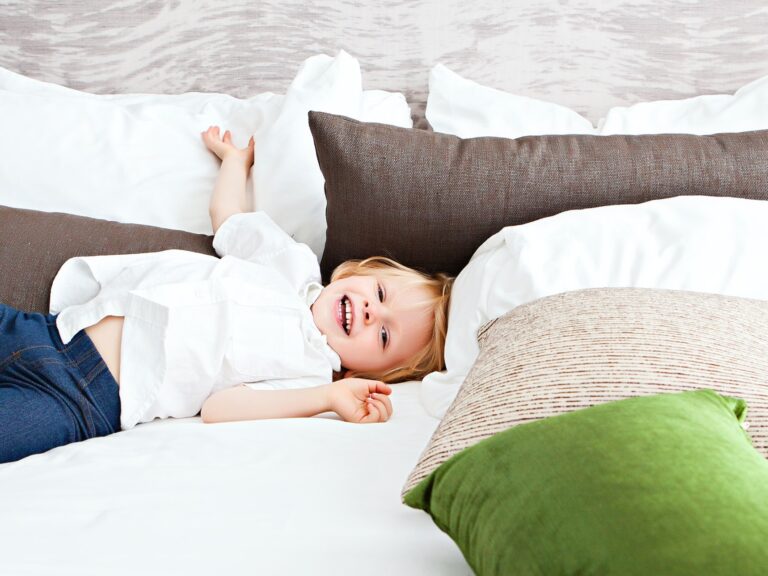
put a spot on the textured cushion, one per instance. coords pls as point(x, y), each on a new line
point(665, 484)
point(586, 347)
point(34, 245)
point(429, 199)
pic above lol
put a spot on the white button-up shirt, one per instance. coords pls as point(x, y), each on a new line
point(195, 324)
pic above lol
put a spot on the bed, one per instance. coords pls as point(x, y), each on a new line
point(314, 496)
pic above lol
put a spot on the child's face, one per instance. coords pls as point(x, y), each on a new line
point(374, 322)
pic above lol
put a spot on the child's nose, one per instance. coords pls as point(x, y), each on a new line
point(368, 312)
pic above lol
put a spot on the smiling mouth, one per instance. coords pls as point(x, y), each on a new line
point(344, 314)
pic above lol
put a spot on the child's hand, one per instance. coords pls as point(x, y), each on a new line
point(223, 147)
point(361, 401)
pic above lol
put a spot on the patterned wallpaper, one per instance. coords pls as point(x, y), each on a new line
point(586, 54)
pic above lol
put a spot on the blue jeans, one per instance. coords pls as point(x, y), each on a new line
point(50, 393)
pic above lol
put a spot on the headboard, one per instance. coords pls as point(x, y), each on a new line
point(586, 54)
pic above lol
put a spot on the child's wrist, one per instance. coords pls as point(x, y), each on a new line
point(236, 160)
point(334, 393)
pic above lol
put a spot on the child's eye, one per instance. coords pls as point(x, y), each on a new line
point(384, 336)
point(381, 293)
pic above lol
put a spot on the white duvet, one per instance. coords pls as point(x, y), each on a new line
point(301, 496)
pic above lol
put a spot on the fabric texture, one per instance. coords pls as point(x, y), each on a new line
point(459, 106)
point(743, 110)
point(34, 245)
point(587, 347)
point(697, 243)
point(139, 158)
point(467, 109)
point(195, 324)
point(172, 476)
point(666, 484)
point(429, 200)
point(51, 394)
point(587, 55)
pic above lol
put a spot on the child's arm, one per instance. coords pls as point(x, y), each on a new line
point(229, 193)
point(354, 399)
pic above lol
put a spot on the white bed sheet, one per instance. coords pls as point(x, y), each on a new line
point(304, 496)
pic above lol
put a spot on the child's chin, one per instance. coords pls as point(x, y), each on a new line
point(338, 349)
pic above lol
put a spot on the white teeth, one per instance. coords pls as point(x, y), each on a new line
point(346, 314)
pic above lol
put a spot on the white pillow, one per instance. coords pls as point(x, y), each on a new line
point(287, 181)
point(134, 158)
point(139, 157)
point(459, 106)
point(462, 107)
point(703, 244)
point(745, 110)
point(193, 102)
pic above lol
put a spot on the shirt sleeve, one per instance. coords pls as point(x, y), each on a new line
point(288, 383)
point(254, 236)
point(82, 278)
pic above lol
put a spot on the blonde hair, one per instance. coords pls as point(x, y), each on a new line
point(431, 357)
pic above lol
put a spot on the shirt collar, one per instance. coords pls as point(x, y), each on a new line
point(310, 294)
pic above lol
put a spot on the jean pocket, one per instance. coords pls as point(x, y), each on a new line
point(35, 358)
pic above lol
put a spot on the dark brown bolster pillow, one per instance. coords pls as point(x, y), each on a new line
point(34, 245)
point(429, 199)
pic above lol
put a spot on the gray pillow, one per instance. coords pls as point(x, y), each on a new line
point(34, 245)
point(429, 199)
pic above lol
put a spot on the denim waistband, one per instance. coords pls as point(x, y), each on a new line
point(83, 355)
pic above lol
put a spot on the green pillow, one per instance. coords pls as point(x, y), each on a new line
point(656, 485)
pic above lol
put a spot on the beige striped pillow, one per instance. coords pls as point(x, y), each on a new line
point(577, 349)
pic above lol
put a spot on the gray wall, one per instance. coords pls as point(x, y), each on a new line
point(586, 54)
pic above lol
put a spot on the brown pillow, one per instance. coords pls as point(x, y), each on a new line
point(34, 245)
point(429, 199)
point(577, 349)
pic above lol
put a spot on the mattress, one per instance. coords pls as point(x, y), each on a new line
point(183, 497)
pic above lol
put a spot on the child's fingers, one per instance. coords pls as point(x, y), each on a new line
point(380, 387)
point(377, 408)
point(373, 412)
point(209, 140)
point(387, 402)
point(227, 137)
point(384, 405)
